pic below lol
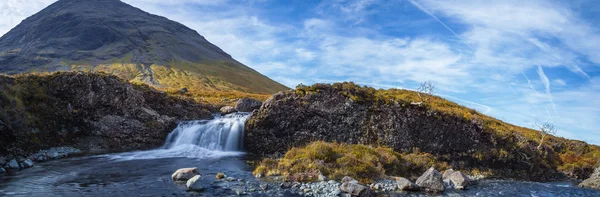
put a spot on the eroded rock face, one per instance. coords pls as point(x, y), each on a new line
point(247, 105)
point(184, 174)
point(92, 112)
point(431, 181)
point(592, 182)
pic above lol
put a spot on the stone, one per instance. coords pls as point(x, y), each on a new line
point(2, 161)
point(13, 164)
point(195, 183)
point(348, 179)
point(322, 177)
point(592, 182)
point(354, 189)
point(230, 179)
point(220, 176)
point(2, 170)
point(247, 105)
point(459, 180)
point(447, 173)
point(431, 181)
point(258, 176)
point(264, 187)
point(227, 110)
point(405, 184)
point(27, 163)
point(184, 174)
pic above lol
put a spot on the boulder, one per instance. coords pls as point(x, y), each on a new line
point(13, 164)
point(431, 181)
point(220, 175)
point(459, 180)
point(348, 179)
point(447, 173)
point(405, 184)
point(227, 110)
point(27, 163)
point(195, 183)
point(247, 105)
point(322, 177)
point(184, 174)
point(592, 182)
point(354, 189)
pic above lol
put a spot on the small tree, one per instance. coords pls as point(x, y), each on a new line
point(425, 88)
point(545, 129)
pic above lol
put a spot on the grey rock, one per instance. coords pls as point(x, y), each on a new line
point(230, 179)
point(2, 170)
point(184, 174)
point(348, 179)
point(247, 105)
point(447, 174)
point(227, 110)
point(322, 177)
point(27, 163)
point(264, 187)
point(431, 181)
point(354, 189)
point(13, 164)
point(459, 180)
point(405, 184)
point(592, 182)
point(2, 161)
point(195, 183)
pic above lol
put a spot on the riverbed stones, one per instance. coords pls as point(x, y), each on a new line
point(431, 181)
point(406, 185)
point(184, 174)
point(247, 105)
point(354, 189)
point(459, 180)
point(27, 163)
point(227, 110)
point(195, 183)
point(592, 182)
point(13, 164)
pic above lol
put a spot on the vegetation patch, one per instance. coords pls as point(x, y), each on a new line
point(335, 160)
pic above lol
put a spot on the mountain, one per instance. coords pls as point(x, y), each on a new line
point(114, 37)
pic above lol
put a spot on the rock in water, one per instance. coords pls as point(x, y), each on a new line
point(592, 182)
point(405, 184)
point(447, 173)
point(27, 163)
point(220, 175)
point(2, 171)
point(227, 110)
point(431, 181)
point(184, 174)
point(195, 183)
point(13, 164)
point(247, 105)
point(459, 180)
point(355, 189)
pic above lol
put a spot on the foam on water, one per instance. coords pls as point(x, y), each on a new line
point(219, 137)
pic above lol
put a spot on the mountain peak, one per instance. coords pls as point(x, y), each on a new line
point(105, 32)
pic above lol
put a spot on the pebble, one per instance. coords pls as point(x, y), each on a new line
point(264, 187)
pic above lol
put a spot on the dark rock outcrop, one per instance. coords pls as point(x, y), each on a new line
point(93, 112)
point(346, 113)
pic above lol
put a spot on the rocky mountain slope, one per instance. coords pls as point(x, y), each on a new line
point(114, 37)
point(93, 112)
point(461, 137)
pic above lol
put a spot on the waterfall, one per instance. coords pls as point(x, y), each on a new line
point(220, 137)
point(224, 133)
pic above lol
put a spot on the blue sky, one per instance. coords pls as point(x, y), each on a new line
point(519, 61)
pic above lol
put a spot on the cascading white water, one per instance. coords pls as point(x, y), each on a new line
point(219, 137)
point(223, 133)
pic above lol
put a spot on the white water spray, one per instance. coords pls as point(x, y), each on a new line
point(219, 137)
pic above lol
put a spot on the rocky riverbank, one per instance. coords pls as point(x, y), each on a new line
point(94, 113)
point(461, 137)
